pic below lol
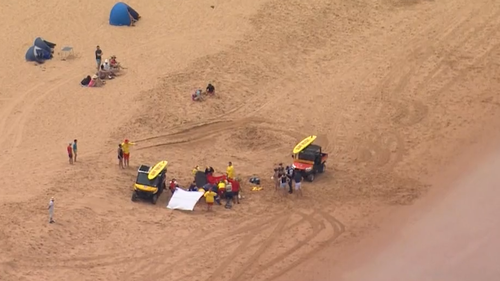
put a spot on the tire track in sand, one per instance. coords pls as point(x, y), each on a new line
point(128, 256)
point(205, 130)
point(246, 236)
point(244, 267)
point(387, 149)
point(316, 230)
point(338, 229)
point(248, 241)
point(408, 112)
point(198, 132)
point(448, 72)
point(384, 150)
point(286, 260)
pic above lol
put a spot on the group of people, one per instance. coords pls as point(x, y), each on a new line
point(287, 177)
point(124, 153)
point(72, 150)
point(106, 70)
point(227, 187)
point(198, 94)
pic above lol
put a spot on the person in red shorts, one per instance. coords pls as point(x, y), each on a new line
point(70, 152)
point(209, 198)
point(126, 152)
point(236, 191)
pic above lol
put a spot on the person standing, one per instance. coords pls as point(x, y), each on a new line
point(209, 198)
point(75, 149)
point(290, 174)
point(51, 210)
point(229, 195)
point(172, 185)
point(126, 152)
point(120, 156)
point(209, 186)
point(297, 178)
point(236, 191)
point(70, 152)
point(283, 183)
point(276, 178)
point(230, 171)
point(281, 169)
point(98, 57)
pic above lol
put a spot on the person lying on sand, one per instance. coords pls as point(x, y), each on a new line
point(96, 82)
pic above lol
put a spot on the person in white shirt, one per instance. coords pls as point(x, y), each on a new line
point(51, 210)
point(106, 65)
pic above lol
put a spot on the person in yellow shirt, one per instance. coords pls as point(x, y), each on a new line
point(195, 170)
point(221, 186)
point(126, 151)
point(209, 198)
point(230, 171)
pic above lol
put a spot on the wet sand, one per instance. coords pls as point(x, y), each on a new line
point(450, 235)
point(455, 239)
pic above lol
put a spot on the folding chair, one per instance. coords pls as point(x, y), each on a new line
point(66, 51)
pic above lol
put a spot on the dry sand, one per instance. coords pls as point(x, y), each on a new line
point(393, 88)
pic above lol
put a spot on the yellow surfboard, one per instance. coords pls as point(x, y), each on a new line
point(303, 144)
point(156, 170)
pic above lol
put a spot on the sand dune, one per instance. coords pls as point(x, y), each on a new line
point(394, 89)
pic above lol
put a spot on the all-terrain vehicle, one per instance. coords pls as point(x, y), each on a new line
point(308, 159)
point(150, 182)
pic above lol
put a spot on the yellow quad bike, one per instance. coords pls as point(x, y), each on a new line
point(150, 182)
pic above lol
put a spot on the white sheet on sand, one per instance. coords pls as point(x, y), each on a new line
point(184, 200)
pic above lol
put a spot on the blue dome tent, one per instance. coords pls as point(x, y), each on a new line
point(37, 54)
point(120, 14)
point(45, 45)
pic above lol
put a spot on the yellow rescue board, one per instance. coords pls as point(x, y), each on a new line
point(156, 170)
point(303, 144)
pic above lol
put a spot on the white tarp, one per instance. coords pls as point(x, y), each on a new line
point(184, 200)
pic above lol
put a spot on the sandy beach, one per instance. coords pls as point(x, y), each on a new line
point(448, 235)
point(395, 90)
point(454, 239)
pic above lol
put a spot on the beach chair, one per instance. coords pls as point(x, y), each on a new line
point(66, 52)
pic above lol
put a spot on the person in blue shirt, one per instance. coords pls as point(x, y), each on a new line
point(75, 149)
